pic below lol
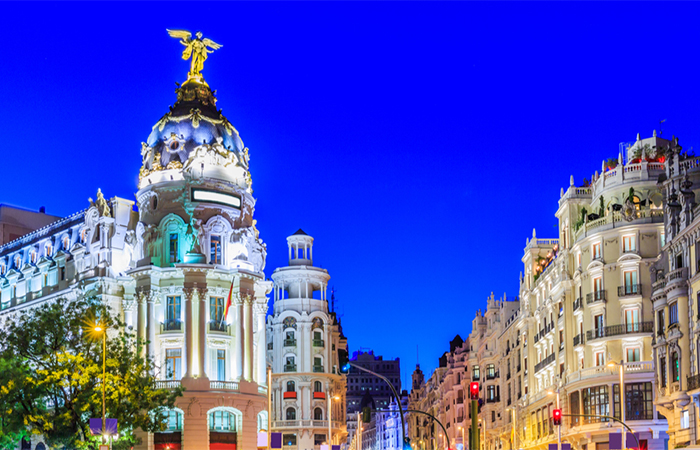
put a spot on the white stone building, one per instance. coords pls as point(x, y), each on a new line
point(304, 339)
point(167, 268)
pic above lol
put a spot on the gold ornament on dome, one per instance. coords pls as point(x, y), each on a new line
point(195, 49)
point(174, 165)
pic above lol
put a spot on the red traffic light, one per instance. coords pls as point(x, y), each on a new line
point(474, 390)
point(556, 416)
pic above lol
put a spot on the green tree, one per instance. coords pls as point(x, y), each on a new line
point(51, 376)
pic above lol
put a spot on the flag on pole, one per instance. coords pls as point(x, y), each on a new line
point(228, 302)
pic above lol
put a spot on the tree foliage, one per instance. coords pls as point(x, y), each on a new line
point(51, 376)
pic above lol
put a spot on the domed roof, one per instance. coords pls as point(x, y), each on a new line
point(191, 122)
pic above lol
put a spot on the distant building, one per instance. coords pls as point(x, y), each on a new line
point(17, 222)
point(365, 389)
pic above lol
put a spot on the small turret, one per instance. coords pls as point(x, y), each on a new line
point(300, 249)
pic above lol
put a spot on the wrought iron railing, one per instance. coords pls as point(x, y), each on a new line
point(290, 342)
point(629, 289)
point(545, 362)
point(172, 325)
point(290, 367)
point(216, 325)
point(596, 296)
point(578, 304)
point(616, 330)
point(578, 339)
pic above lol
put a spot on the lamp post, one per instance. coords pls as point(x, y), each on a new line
point(330, 415)
point(622, 397)
point(102, 330)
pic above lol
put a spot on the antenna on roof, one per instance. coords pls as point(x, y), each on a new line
point(333, 299)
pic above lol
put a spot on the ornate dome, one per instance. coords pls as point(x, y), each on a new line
point(192, 129)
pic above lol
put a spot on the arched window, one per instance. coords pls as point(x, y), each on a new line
point(291, 414)
point(318, 414)
point(173, 420)
point(675, 367)
point(222, 421)
point(291, 387)
point(262, 421)
point(318, 387)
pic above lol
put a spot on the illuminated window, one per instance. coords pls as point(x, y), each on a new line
point(221, 364)
point(222, 421)
point(83, 235)
point(673, 313)
point(47, 250)
point(66, 243)
point(216, 309)
point(173, 247)
point(173, 421)
point(215, 253)
point(675, 367)
point(629, 243)
point(600, 359)
point(595, 251)
point(633, 354)
point(173, 363)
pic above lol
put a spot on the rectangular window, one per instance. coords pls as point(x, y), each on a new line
point(216, 309)
point(173, 359)
point(575, 408)
point(633, 354)
point(663, 240)
point(597, 287)
point(600, 359)
point(173, 247)
point(630, 287)
point(221, 365)
point(632, 320)
point(638, 401)
point(662, 370)
point(172, 309)
point(63, 273)
point(578, 259)
point(595, 251)
point(289, 439)
point(685, 419)
point(215, 254)
point(661, 326)
point(673, 313)
point(319, 439)
point(629, 243)
point(595, 402)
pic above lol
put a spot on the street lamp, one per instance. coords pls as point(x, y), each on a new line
point(622, 397)
point(99, 329)
point(330, 415)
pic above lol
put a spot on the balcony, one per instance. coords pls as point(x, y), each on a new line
point(298, 424)
point(599, 371)
point(578, 304)
point(319, 395)
point(492, 376)
point(318, 343)
point(290, 367)
point(545, 362)
point(475, 378)
point(218, 326)
point(289, 395)
point(493, 399)
point(290, 342)
point(616, 330)
point(223, 385)
point(171, 325)
point(318, 369)
point(693, 382)
point(596, 296)
point(168, 384)
point(629, 289)
point(578, 340)
point(677, 276)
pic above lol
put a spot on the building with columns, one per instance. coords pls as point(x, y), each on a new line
point(304, 341)
point(166, 268)
point(613, 294)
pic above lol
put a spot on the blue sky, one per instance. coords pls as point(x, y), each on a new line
point(419, 143)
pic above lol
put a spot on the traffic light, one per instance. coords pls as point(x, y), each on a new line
point(556, 416)
point(474, 390)
point(343, 361)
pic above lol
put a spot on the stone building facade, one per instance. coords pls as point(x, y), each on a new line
point(304, 341)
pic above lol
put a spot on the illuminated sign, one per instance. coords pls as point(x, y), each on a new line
point(201, 195)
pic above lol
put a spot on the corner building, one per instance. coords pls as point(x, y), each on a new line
point(305, 339)
point(166, 269)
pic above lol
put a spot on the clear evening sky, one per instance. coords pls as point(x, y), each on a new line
point(419, 143)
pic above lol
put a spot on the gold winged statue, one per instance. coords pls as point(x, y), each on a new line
point(197, 49)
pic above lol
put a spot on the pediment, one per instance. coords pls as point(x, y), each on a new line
point(629, 257)
point(595, 264)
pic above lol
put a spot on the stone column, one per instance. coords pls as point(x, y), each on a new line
point(202, 324)
point(189, 332)
point(249, 349)
point(151, 324)
point(141, 318)
point(260, 311)
point(238, 347)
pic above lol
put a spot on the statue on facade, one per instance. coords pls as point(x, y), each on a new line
point(101, 205)
point(197, 49)
point(195, 232)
